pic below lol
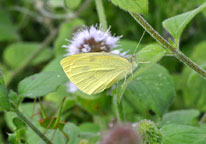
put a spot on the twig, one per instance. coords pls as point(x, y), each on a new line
point(32, 126)
point(179, 55)
point(45, 43)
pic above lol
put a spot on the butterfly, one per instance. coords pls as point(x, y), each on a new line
point(94, 72)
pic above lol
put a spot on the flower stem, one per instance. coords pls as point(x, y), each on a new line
point(32, 126)
point(101, 14)
point(179, 55)
point(117, 108)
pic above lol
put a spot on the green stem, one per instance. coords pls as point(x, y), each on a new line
point(101, 14)
point(32, 126)
point(117, 108)
point(179, 55)
point(26, 63)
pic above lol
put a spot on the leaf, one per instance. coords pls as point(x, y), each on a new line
point(7, 29)
point(65, 32)
point(134, 6)
point(58, 137)
point(40, 84)
point(72, 4)
point(152, 91)
point(94, 104)
point(72, 132)
point(17, 53)
point(54, 65)
point(149, 54)
point(194, 86)
point(4, 99)
point(183, 134)
point(177, 24)
point(186, 117)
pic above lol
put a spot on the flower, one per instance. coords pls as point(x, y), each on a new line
point(121, 134)
point(91, 39)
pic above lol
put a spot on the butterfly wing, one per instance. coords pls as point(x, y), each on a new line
point(94, 72)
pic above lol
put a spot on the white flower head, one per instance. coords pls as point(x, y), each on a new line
point(91, 39)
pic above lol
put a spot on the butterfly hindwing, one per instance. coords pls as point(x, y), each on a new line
point(94, 72)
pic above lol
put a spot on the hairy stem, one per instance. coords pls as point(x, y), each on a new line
point(179, 55)
point(32, 126)
point(24, 65)
point(101, 14)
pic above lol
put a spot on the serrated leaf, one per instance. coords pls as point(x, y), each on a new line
point(175, 25)
point(65, 32)
point(72, 4)
point(40, 84)
point(17, 53)
point(186, 117)
point(183, 134)
point(134, 6)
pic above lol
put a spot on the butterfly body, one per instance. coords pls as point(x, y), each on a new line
point(92, 73)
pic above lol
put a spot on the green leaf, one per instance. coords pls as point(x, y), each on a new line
point(183, 134)
point(193, 88)
point(72, 4)
point(94, 104)
point(4, 99)
point(134, 6)
point(54, 65)
point(7, 29)
point(17, 53)
point(186, 117)
point(40, 84)
point(150, 55)
point(18, 123)
point(151, 91)
point(177, 24)
point(58, 137)
point(72, 132)
point(65, 32)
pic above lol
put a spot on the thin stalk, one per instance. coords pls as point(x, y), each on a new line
point(179, 55)
point(32, 126)
point(101, 14)
point(24, 65)
point(117, 108)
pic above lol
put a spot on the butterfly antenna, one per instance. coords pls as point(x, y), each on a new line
point(139, 41)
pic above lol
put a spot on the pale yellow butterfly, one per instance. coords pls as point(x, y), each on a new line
point(94, 72)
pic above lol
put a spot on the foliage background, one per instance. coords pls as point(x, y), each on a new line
point(25, 24)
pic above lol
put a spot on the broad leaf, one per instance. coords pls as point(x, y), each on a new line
point(183, 134)
point(177, 24)
point(146, 57)
point(72, 132)
point(152, 91)
point(194, 86)
point(134, 6)
point(40, 84)
point(17, 53)
point(187, 117)
point(94, 104)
